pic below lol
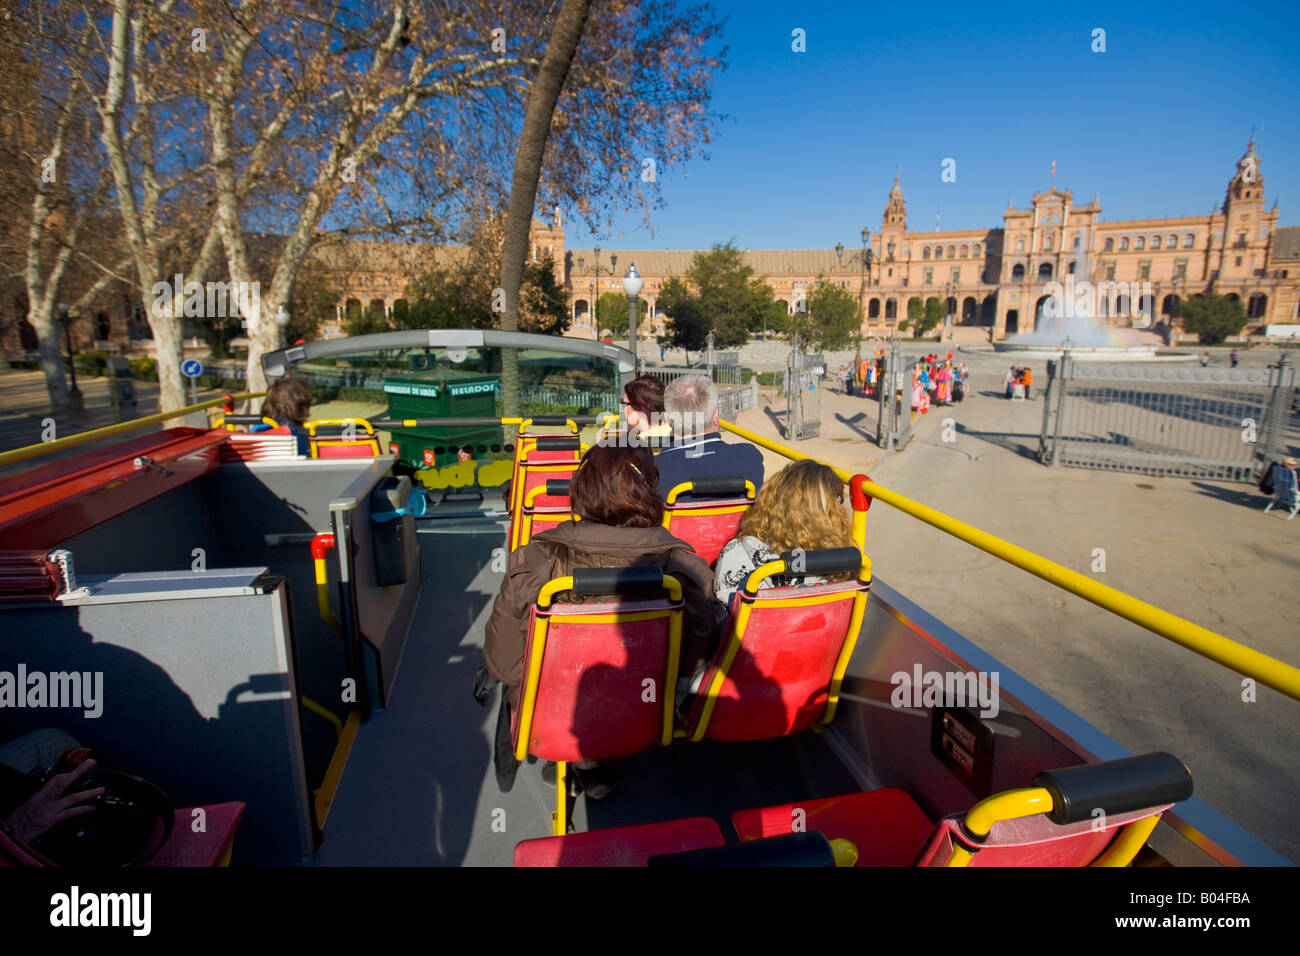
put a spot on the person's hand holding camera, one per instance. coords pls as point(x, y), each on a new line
point(52, 804)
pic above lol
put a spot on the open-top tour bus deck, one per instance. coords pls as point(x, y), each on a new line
point(286, 633)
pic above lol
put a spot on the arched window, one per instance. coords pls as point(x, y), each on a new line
point(873, 309)
point(1172, 243)
point(925, 253)
point(1155, 242)
point(952, 252)
point(891, 309)
point(1047, 242)
point(975, 250)
point(1045, 272)
point(1017, 273)
point(1257, 306)
point(965, 251)
point(1140, 242)
point(1072, 267)
point(1123, 243)
point(938, 252)
point(1110, 245)
point(1189, 240)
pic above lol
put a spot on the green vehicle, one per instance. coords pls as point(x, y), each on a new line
point(443, 393)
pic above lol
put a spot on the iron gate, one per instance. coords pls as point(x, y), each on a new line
point(803, 408)
point(1216, 423)
point(894, 394)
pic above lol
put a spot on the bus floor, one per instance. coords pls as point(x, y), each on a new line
point(419, 788)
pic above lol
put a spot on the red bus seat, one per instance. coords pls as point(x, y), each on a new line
point(533, 473)
point(706, 524)
point(363, 444)
point(620, 846)
point(526, 444)
point(778, 670)
point(588, 667)
point(211, 847)
point(545, 507)
point(1090, 815)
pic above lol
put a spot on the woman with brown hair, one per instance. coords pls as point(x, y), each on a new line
point(800, 507)
point(615, 493)
point(288, 402)
point(643, 410)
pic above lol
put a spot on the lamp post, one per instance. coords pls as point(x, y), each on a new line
point(595, 299)
point(282, 323)
point(632, 285)
point(75, 402)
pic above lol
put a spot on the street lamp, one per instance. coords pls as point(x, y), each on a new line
point(75, 402)
point(595, 298)
point(632, 285)
point(282, 322)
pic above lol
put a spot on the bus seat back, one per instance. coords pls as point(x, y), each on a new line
point(779, 680)
point(604, 674)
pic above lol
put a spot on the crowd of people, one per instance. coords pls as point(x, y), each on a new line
point(936, 380)
point(618, 493)
point(1018, 376)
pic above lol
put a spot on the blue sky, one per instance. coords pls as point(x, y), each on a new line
point(1154, 124)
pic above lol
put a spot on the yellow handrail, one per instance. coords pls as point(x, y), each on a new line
point(1269, 671)
point(44, 448)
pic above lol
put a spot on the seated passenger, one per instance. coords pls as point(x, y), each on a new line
point(643, 407)
point(288, 402)
point(697, 449)
point(613, 492)
point(801, 507)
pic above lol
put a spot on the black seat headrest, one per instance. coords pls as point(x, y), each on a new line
point(822, 561)
point(638, 580)
point(559, 443)
point(1116, 786)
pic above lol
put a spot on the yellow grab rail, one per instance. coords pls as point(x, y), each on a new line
point(44, 448)
point(1282, 677)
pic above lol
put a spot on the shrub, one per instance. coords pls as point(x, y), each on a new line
point(144, 369)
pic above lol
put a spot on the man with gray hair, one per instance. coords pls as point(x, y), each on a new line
point(697, 449)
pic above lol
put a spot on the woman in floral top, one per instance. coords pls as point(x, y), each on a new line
point(801, 507)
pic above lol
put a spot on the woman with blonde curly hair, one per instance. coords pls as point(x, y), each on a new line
point(800, 507)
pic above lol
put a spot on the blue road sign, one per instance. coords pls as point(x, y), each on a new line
point(192, 368)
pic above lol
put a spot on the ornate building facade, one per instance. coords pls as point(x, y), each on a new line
point(997, 277)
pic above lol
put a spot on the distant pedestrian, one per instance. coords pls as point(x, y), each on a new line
point(1205, 359)
point(661, 353)
point(1232, 357)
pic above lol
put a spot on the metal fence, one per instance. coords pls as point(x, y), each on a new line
point(1222, 424)
point(894, 394)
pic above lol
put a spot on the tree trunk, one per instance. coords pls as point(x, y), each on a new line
point(47, 329)
point(566, 34)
